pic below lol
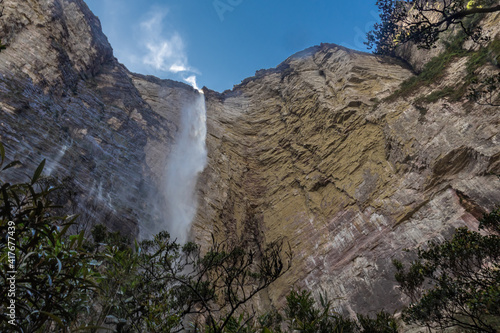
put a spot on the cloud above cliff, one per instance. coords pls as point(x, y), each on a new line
point(227, 40)
point(165, 51)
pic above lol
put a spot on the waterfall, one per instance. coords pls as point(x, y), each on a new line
point(55, 162)
point(186, 161)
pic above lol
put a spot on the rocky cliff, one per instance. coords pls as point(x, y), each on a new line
point(312, 151)
point(64, 97)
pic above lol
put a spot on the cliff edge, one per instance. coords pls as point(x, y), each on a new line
point(323, 151)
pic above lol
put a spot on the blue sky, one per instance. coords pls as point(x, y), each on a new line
point(221, 42)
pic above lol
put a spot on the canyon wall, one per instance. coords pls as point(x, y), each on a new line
point(312, 152)
point(65, 98)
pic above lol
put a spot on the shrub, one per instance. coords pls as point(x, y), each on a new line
point(464, 278)
point(47, 274)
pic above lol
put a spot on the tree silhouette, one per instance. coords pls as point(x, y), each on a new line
point(421, 21)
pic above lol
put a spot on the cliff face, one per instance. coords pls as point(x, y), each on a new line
point(64, 97)
point(309, 151)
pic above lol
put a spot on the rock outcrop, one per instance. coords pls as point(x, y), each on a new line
point(311, 152)
point(65, 98)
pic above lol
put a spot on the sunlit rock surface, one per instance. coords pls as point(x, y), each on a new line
point(308, 152)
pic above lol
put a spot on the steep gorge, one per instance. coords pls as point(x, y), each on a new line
point(310, 151)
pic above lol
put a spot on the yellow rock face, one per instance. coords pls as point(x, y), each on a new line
point(308, 153)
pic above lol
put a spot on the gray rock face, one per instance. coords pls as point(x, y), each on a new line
point(64, 97)
point(53, 42)
point(309, 151)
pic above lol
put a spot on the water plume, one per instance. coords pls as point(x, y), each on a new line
point(186, 161)
point(55, 162)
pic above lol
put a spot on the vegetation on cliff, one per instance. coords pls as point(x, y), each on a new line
point(54, 281)
point(422, 22)
point(476, 87)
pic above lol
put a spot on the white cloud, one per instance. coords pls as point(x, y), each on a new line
point(178, 68)
point(164, 52)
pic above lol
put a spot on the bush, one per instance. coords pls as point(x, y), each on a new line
point(303, 314)
point(464, 278)
point(47, 274)
point(68, 282)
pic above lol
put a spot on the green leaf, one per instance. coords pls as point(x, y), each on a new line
point(11, 164)
point(54, 317)
point(64, 230)
point(38, 172)
point(80, 238)
point(59, 266)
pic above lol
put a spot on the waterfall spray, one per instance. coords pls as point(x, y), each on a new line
point(186, 161)
point(55, 162)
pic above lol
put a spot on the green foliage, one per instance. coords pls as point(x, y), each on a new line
point(436, 95)
point(54, 274)
point(271, 321)
point(422, 22)
point(158, 284)
point(222, 281)
point(102, 236)
point(303, 314)
point(464, 278)
point(433, 71)
point(485, 91)
point(383, 323)
point(488, 54)
point(2, 47)
point(134, 289)
point(491, 221)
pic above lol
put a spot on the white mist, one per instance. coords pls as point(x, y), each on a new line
point(185, 162)
point(55, 162)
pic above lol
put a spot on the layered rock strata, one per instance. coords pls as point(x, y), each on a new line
point(310, 152)
point(66, 99)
